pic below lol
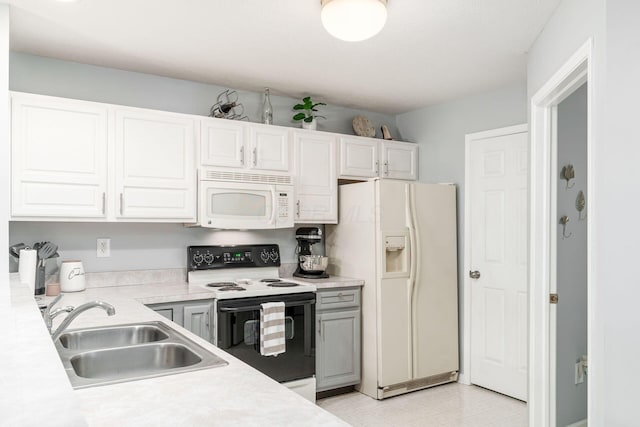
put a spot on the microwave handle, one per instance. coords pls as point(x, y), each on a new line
point(274, 208)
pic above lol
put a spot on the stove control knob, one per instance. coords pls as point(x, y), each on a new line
point(198, 258)
point(274, 255)
point(264, 256)
point(208, 258)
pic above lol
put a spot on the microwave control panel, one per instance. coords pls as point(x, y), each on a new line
point(214, 257)
point(283, 205)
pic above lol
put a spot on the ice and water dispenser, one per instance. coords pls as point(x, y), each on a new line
point(396, 254)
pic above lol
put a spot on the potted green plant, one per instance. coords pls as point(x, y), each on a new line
point(308, 116)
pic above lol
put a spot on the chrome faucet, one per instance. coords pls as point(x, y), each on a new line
point(49, 315)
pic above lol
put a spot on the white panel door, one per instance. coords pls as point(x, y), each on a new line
point(59, 157)
point(269, 147)
point(223, 143)
point(316, 178)
point(358, 157)
point(400, 160)
point(155, 165)
point(498, 212)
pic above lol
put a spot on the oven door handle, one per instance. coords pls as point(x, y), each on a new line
point(258, 307)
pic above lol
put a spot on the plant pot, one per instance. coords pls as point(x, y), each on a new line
point(312, 125)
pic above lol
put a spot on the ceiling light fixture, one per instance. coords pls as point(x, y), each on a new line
point(353, 20)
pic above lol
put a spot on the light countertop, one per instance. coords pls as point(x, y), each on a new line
point(36, 390)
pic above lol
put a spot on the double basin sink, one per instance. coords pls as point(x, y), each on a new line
point(113, 354)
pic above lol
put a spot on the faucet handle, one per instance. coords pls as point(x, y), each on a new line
point(46, 315)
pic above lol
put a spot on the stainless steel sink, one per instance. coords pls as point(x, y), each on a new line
point(115, 336)
point(113, 354)
point(134, 361)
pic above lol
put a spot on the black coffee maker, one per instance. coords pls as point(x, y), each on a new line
point(310, 266)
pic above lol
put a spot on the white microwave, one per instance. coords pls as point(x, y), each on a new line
point(245, 201)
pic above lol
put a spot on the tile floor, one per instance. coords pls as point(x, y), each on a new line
point(450, 405)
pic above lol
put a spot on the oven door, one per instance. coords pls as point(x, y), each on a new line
point(238, 333)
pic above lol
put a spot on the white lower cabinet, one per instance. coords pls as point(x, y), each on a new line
point(337, 338)
point(155, 166)
point(58, 158)
point(316, 177)
point(191, 315)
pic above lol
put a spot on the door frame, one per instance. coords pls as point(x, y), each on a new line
point(576, 71)
point(465, 354)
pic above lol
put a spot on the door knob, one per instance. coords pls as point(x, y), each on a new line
point(474, 274)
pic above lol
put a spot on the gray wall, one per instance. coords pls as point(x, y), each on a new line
point(47, 76)
point(571, 327)
point(440, 130)
point(148, 246)
point(141, 246)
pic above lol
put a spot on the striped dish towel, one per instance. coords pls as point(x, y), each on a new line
point(272, 329)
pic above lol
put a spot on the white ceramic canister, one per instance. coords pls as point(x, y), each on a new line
point(72, 276)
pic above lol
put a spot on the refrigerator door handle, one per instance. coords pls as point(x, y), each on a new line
point(414, 271)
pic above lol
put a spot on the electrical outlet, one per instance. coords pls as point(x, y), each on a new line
point(103, 249)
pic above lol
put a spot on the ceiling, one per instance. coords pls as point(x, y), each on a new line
point(430, 51)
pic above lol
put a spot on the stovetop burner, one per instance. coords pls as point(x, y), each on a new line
point(280, 284)
point(221, 284)
point(270, 280)
point(232, 288)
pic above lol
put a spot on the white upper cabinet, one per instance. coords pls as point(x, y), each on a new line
point(232, 144)
point(316, 177)
point(399, 160)
point(364, 158)
point(82, 160)
point(359, 157)
point(59, 158)
point(222, 143)
point(155, 165)
point(269, 147)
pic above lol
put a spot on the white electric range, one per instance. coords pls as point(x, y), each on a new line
point(241, 278)
point(240, 271)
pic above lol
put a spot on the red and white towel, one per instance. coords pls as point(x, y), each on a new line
point(272, 338)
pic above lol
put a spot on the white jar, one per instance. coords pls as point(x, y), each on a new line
point(72, 276)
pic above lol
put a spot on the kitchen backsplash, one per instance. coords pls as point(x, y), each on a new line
point(141, 246)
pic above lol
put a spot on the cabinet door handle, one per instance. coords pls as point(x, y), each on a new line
point(255, 157)
point(242, 155)
point(298, 208)
point(104, 203)
point(386, 168)
point(377, 167)
point(121, 203)
point(320, 329)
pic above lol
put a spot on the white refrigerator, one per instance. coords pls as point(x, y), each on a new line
point(400, 237)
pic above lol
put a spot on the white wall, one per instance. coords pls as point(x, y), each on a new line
point(440, 130)
point(616, 66)
point(4, 138)
point(571, 270)
point(618, 204)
